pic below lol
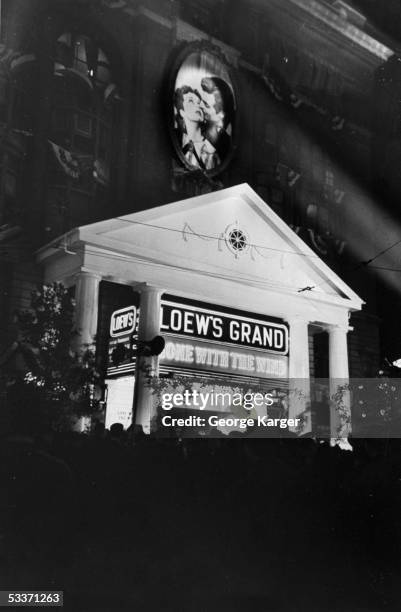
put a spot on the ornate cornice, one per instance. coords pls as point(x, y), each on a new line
point(327, 15)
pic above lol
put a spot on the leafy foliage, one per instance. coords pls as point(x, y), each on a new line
point(375, 405)
point(45, 377)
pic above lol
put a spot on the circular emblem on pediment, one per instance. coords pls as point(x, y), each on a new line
point(236, 239)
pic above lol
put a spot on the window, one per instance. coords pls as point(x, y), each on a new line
point(83, 121)
point(24, 85)
point(82, 54)
point(83, 124)
point(10, 169)
point(4, 94)
point(84, 106)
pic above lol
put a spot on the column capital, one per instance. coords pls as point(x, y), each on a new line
point(146, 288)
point(333, 328)
point(89, 274)
point(297, 320)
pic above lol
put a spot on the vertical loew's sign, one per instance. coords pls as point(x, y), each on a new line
point(123, 321)
point(123, 341)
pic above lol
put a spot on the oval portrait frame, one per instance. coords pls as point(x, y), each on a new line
point(191, 64)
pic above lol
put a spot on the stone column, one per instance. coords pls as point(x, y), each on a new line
point(299, 381)
point(340, 410)
point(149, 327)
point(86, 316)
point(86, 309)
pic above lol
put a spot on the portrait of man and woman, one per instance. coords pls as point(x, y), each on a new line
point(204, 114)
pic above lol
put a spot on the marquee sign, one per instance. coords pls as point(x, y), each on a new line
point(123, 321)
point(212, 340)
point(206, 356)
point(203, 338)
point(223, 328)
point(122, 341)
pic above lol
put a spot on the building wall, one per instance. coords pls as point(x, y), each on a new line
point(271, 61)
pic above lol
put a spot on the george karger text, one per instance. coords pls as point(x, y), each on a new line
point(219, 421)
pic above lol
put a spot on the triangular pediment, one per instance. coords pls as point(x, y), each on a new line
point(232, 234)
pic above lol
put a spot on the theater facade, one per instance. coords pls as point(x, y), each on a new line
point(209, 172)
point(234, 292)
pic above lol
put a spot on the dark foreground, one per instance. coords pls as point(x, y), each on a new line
point(203, 525)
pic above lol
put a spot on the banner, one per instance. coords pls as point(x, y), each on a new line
point(67, 161)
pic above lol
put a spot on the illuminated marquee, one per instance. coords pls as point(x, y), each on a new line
point(122, 341)
point(202, 355)
point(215, 326)
point(123, 321)
point(201, 338)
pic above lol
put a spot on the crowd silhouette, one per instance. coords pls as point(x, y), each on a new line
point(215, 524)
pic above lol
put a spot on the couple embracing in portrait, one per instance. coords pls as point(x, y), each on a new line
point(204, 119)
